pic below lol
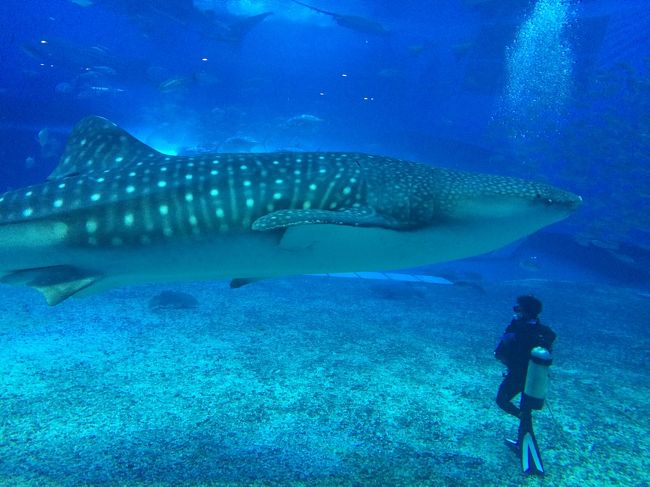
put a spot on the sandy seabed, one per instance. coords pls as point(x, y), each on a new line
point(316, 381)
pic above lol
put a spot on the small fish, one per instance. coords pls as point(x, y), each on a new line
point(169, 300)
point(304, 120)
point(30, 162)
point(462, 49)
point(43, 137)
point(416, 49)
point(531, 264)
point(175, 84)
point(391, 73)
point(103, 70)
point(63, 88)
point(238, 143)
point(50, 145)
point(97, 91)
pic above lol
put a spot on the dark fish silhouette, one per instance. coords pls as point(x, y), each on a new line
point(353, 22)
point(153, 15)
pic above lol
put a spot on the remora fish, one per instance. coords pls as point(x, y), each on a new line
point(116, 212)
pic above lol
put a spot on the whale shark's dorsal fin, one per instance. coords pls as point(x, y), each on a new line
point(97, 144)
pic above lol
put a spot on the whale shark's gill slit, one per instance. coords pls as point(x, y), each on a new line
point(300, 183)
point(202, 207)
point(232, 209)
point(178, 214)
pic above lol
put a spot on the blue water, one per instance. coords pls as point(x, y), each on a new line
point(556, 91)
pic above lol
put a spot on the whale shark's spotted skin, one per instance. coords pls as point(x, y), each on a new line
point(159, 198)
point(111, 191)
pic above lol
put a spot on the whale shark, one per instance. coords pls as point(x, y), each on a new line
point(116, 212)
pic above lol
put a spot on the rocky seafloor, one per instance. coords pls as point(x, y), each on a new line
point(316, 381)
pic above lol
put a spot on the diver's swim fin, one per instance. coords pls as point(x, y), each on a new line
point(513, 445)
point(531, 458)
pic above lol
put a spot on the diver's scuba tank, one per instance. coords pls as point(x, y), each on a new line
point(536, 379)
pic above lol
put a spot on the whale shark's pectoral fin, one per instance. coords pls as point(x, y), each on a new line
point(57, 283)
point(358, 217)
point(304, 229)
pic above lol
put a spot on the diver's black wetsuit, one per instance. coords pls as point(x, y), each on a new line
point(520, 337)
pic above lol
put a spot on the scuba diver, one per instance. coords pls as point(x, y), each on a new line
point(525, 348)
point(524, 333)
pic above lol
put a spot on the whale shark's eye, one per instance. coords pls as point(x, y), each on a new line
point(546, 201)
